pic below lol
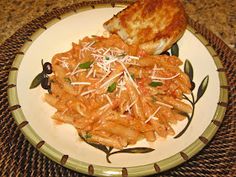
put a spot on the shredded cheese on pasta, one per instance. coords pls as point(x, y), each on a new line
point(104, 87)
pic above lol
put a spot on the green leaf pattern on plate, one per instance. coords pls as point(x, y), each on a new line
point(175, 50)
point(37, 80)
point(202, 88)
point(188, 69)
point(108, 150)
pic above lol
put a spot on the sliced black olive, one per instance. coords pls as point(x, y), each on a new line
point(45, 84)
point(47, 68)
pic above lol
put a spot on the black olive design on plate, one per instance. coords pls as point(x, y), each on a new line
point(45, 84)
point(43, 78)
point(47, 68)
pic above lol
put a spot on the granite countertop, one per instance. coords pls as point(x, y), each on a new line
point(217, 15)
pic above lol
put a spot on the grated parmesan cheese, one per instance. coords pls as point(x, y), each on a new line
point(109, 80)
point(165, 78)
point(153, 115)
point(130, 78)
point(80, 83)
point(88, 92)
point(164, 104)
point(108, 99)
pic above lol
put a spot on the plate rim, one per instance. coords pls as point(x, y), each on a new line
point(91, 169)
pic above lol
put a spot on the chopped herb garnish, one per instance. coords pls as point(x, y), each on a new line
point(154, 99)
point(112, 87)
point(132, 75)
point(87, 136)
point(66, 79)
point(155, 84)
point(85, 65)
point(107, 58)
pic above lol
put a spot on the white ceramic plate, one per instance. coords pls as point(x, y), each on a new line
point(61, 142)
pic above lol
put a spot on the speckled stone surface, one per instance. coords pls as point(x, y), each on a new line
point(217, 15)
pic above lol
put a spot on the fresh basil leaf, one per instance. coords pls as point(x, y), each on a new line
point(202, 88)
point(112, 87)
point(175, 50)
point(85, 65)
point(66, 79)
point(155, 84)
point(37, 80)
point(107, 58)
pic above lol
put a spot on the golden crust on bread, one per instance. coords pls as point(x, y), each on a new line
point(155, 25)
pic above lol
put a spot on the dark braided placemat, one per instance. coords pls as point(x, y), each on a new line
point(19, 158)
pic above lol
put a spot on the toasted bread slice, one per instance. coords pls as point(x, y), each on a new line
point(155, 25)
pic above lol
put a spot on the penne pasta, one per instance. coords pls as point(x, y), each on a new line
point(150, 136)
point(177, 104)
point(114, 97)
point(108, 141)
point(122, 131)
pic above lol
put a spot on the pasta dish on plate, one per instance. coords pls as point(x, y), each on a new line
point(115, 94)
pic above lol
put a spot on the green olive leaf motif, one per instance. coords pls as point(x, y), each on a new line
point(95, 145)
point(192, 85)
point(37, 80)
point(99, 146)
point(184, 114)
point(175, 50)
point(202, 88)
point(107, 150)
point(135, 150)
point(188, 69)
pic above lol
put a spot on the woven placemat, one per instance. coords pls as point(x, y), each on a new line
point(19, 158)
